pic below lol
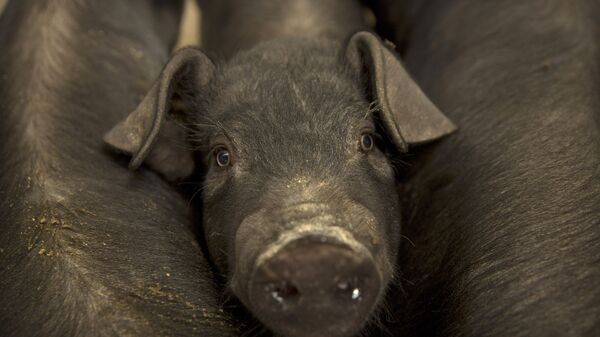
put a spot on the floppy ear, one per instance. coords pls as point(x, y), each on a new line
point(150, 133)
point(407, 114)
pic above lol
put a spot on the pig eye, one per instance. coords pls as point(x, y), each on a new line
point(366, 142)
point(223, 157)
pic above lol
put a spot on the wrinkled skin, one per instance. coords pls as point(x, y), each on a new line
point(88, 248)
point(299, 196)
point(504, 215)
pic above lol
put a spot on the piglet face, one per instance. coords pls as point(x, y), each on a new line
point(300, 206)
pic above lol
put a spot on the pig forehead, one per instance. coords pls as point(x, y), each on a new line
point(302, 105)
point(287, 96)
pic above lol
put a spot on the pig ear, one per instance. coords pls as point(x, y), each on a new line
point(150, 133)
point(407, 114)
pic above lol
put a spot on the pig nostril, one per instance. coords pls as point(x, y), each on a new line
point(350, 290)
point(356, 294)
point(282, 291)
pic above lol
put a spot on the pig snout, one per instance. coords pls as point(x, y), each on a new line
point(307, 269)
point(312, 284)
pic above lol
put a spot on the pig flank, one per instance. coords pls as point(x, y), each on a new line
point(505, 215)
point(87, 248)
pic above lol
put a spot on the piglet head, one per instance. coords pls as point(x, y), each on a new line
point(296, 141)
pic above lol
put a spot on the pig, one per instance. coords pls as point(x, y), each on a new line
point(87, 248)
point(504, 215)
point(294, 131)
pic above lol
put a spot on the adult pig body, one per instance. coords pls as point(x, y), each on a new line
point(505, 216)
point(231, 26)
point(88, 248)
